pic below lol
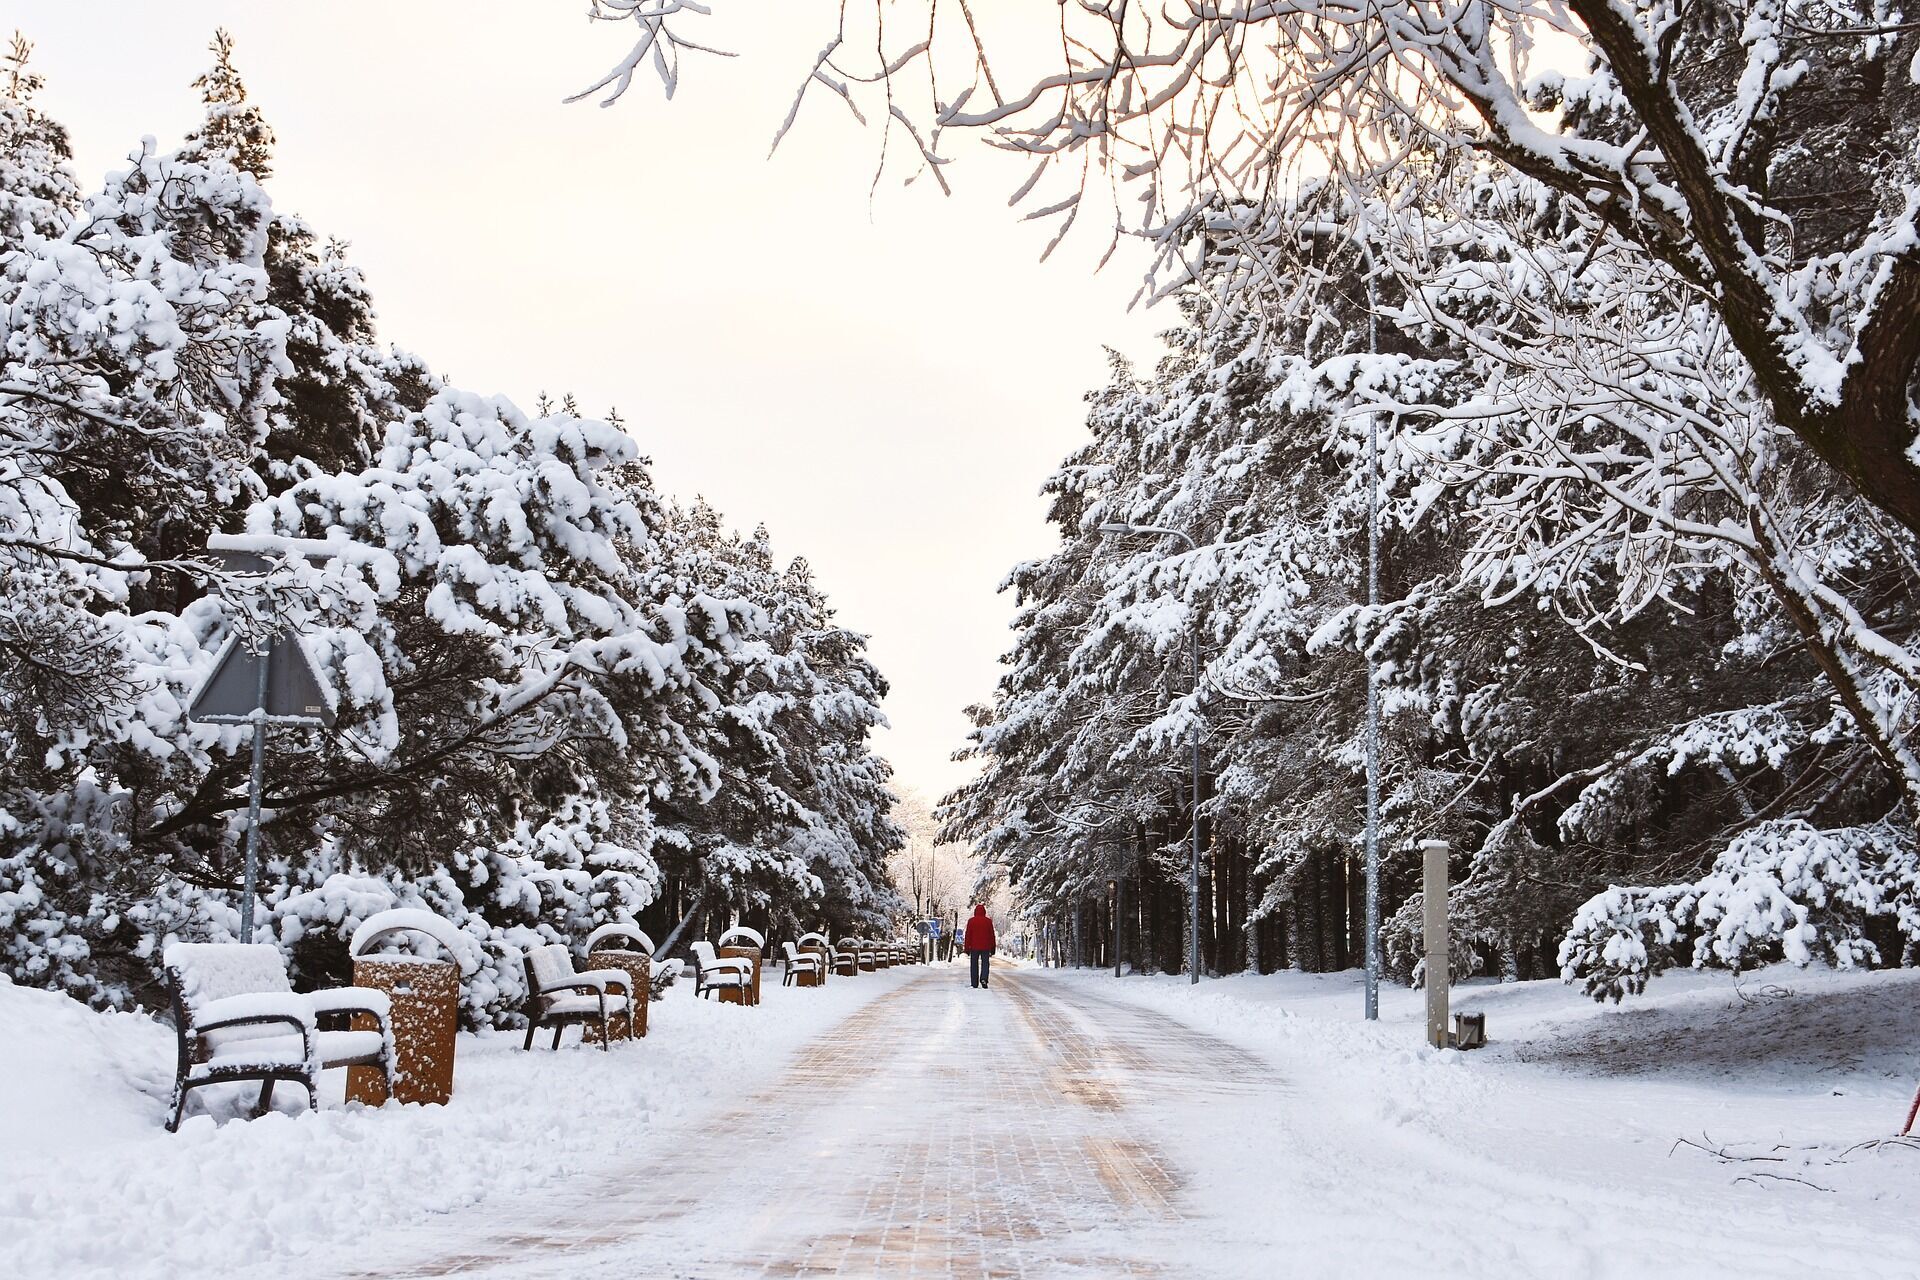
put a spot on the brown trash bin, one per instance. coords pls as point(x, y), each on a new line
point(741, 995)
point(638, 967)
point(826, 963)
point(426, 1013)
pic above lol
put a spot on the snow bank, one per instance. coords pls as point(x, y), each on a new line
point(91, 1185)
point(1562, 1148)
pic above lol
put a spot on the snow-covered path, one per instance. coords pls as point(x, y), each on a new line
point(939, 1131)
point(1063, 1124)
point(1060, 1126)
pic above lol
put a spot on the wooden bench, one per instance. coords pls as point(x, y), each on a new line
point(730, 980)
point(558, 997)
point(816, 944)
point(624, 947)
point(743, 943)
point(237, 1019)
point(804, 968)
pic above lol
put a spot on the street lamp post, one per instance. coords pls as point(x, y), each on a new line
point(1373, 671)
point(1193, 669)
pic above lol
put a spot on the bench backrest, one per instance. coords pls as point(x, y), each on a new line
point(741, 936)
point(550, 966)
point(626, 934)
point(813, 939)
point(703, 954)
point(208, 971)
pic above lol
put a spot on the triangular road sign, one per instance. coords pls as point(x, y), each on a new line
point(295, 693)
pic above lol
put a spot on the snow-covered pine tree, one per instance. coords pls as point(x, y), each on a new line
point(533, 681)
point(135, 378)
point(234, 130)
point(341, 386)
point(797, 834)
point(1560, 750)
point(38, 192)
point(827, 761)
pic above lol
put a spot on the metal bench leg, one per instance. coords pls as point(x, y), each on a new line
point(556, 1036)
point(261, 1107)
point(179, 1106)
point(532, 1027)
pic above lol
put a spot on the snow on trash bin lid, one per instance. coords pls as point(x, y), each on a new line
point(382, 924)
point(641, 941)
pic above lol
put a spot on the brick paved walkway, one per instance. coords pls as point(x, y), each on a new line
point(941, 1131)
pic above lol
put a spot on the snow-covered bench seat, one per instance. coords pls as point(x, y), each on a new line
point(818, 945)
point(742, 942)
point(846, 957)
point(807, 968)
point(625, 947)
point(558, 997)
point(719, 976)
point(237, 1018)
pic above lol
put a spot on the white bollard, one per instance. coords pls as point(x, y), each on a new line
point(1433, 860)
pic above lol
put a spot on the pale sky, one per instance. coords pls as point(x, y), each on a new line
point(885, 382)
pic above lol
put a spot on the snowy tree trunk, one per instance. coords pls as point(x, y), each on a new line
point(1307, 945)
point(1256, 952)
point(1330, 869)
point(693, 913)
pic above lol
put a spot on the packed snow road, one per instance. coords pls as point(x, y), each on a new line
point(939, 1131)
point(1060, 1126)
point(1063, 1124)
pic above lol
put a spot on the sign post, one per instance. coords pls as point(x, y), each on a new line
point(255, 775)
point(255, 687)
point(1433, 859)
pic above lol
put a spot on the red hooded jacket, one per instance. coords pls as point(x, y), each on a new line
point(979, 935)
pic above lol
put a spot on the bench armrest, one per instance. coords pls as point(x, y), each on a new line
point(601, 979)
point(588, 988)
point(352, 1000)
point(254, 1007)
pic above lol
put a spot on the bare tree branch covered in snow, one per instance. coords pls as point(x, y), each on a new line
point(1750, 147)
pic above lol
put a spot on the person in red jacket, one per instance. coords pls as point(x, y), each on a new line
point(979, 945)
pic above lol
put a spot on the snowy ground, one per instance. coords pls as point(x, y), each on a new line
point(92, 1185)
point(1064, 1124)
point(1562, 1148)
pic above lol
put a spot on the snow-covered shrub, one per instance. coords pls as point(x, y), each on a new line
point(1782, 890)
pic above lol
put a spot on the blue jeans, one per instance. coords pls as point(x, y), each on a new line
point(977, 965)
